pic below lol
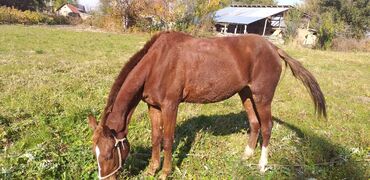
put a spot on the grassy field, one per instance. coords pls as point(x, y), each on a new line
point(50, 79)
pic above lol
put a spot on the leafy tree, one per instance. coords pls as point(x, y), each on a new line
point(23, 5)
point(293, 21)
point(170, 13)
point(124, 13)
point(326, 30)
point(354, 14)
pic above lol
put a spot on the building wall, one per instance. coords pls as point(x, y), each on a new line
point(64, 11)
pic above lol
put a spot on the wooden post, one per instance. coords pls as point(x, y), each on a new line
point(279, 22)
point(264, 28)
point(236, 28)
point(245, 28)
point(308, 24)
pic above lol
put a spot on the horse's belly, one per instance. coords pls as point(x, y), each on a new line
point(206, 99)
point(209, 93)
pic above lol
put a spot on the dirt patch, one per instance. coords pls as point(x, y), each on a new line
point(363, 99)
point(77, 28)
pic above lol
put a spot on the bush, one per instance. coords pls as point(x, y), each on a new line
point(293, 21)
point(54, 20)
point(106, 22)
point(326, 32)
point(14, 16)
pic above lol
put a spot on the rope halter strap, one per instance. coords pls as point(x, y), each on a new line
point(119, 157)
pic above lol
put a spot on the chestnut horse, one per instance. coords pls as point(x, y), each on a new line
point(174, 67)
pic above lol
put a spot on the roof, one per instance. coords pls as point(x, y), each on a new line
point(81, 8)
point(246, 15)
point(261, 6)
point(71, 7)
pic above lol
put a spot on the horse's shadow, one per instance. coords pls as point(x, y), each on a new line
point(186, 131)
point(218, 125)
point(222, 125)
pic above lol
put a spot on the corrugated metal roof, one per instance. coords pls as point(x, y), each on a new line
point(243, 15)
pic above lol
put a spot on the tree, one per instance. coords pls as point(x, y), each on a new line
point(122, 12)
point(33, 5)
point(326, 30)
point(167, 14)
point(293, 20)
point(354, 14)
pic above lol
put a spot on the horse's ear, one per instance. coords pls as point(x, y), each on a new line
point(92, 122)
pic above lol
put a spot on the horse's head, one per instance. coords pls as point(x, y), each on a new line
point(110, 152)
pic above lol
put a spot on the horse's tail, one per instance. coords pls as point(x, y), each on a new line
point(132, 62)
point(308, 81)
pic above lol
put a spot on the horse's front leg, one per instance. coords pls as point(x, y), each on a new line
point(169, 113)
point(156, 122)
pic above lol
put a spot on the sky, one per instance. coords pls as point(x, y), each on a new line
point(92, 4)
point(89, 4)
point(288, 2)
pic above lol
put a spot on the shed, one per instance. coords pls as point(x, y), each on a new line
point(257, 19)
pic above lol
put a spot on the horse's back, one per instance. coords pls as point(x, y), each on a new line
point(204, 70)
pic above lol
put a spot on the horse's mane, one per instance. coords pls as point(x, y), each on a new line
point(127, 68)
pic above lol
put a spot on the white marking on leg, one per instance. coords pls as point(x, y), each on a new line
point(97, 151)
point(248, 152)
point(263, 161)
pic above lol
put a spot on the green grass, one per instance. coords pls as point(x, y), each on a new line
point(50, 79)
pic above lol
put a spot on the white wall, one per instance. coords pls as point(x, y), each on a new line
point(64, 10)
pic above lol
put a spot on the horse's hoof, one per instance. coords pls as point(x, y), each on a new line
point(263, 170)
point(163, 176)
point(248, 152)
point(246, 156)
point(262, 166)
point(150, 171)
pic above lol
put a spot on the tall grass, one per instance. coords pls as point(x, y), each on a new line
point(51, 79)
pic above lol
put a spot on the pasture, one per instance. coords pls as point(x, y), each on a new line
point(51, 79)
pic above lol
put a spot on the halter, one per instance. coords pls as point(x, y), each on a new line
point(119, 157)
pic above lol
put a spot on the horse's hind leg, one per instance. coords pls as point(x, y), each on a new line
point(155, 118)
point(257, 103)
point(264, 113)
point(246, 97)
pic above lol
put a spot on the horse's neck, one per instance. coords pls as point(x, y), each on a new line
point(119, 120)
point(125, 103)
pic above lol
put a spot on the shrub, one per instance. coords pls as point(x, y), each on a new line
point(14, 16)
point(326, 32)
point(106, 22)
point(293, 22)
point(54, 20)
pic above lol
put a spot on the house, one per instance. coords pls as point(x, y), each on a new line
point(71, 10)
